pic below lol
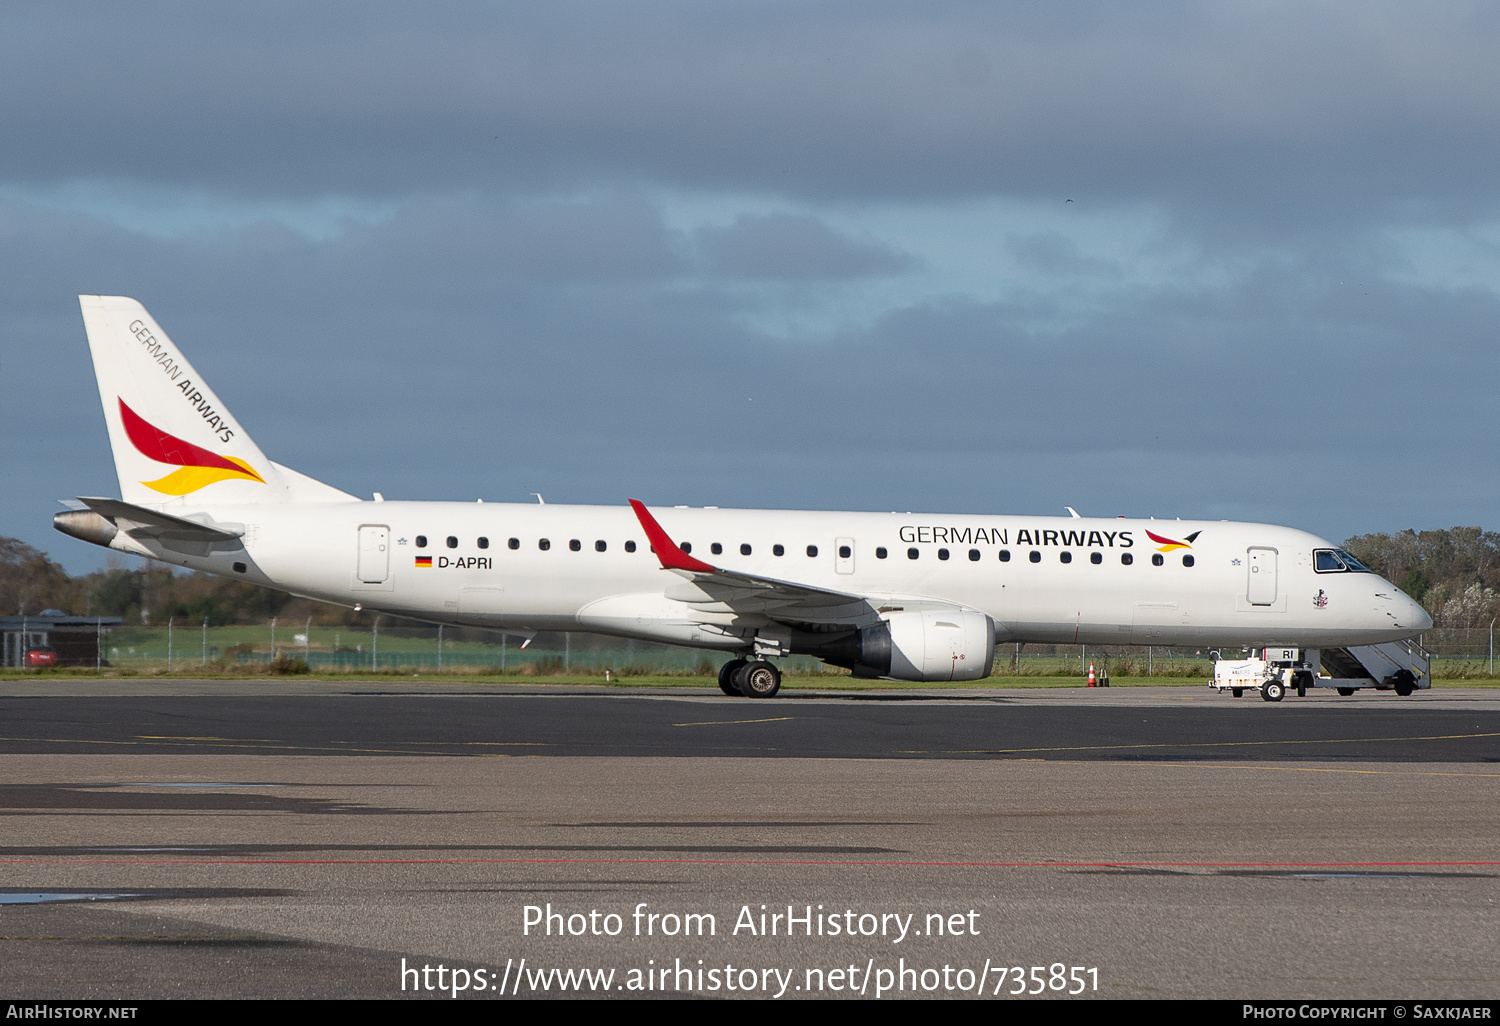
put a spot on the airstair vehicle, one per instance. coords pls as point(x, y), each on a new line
point(1399, 666)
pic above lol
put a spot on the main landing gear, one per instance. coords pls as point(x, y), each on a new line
point(749, 678)
point(726, 677)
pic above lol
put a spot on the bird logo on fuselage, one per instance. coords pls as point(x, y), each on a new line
point(1170, 544)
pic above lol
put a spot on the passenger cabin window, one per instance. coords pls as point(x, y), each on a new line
point(716, 548)
point(630, 546)
point(1096, 558)
point(912, 553)
point(1126, 558)
point(600, 546)
point(1036, 557)
point(484, 543)
point(544, 544)
point(452, 542)
point(778, 550)
point(514, 543)
point(812, 551)
point(1005, 555)
point(744, 550)
point(1187, 560)
point(1157, 560)
point(942, 553)
point(973, 555)
point(845, 552)
point(880, 553)
point(575, 545)
point(686, 546)
point(421, 541)
point(1066, 557)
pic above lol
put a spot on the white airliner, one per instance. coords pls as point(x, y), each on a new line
point(913, 597)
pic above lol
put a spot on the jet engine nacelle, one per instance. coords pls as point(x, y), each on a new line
point(924, 644)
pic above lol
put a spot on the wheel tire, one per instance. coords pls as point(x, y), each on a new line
point(1404, 690)
point(1405, 683)
point(726, 677)
point(1273, 691)
point(759, 679)
point(1346, 692)
point(1305, 680)
point(1237, 692)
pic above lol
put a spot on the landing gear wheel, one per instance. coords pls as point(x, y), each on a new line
point(726, 677)
point(1346, 692)
point(759, 679)
point(1237, 692)
point(1273, 691)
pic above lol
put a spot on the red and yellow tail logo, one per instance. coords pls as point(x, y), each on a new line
point(199, 467)
point(1171, 544)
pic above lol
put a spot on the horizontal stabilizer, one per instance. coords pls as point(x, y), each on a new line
point(138, 520)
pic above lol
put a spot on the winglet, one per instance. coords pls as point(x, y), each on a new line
point(672, 558)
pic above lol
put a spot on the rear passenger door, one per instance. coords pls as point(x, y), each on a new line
point(374, 553)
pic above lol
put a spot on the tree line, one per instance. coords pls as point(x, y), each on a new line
point(1454, 573)
point(31, 582)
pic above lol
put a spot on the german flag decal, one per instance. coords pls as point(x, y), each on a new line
point(1171, 545)
point(424, 561)
point(199, 467)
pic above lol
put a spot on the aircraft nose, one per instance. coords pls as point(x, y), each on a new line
point(1408, 613)
point(1419, 618)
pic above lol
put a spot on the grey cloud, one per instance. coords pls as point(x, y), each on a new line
point(1057, 255)
point(1231, 104)
point(793, 247)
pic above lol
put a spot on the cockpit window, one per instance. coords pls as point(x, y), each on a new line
point(1353, 564)
point(1337, 561)
point(1326, 561)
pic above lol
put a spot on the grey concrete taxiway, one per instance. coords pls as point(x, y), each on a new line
point(302, 839)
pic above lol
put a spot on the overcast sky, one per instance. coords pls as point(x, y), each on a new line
point(1229, 260)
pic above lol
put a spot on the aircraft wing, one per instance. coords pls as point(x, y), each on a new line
point(138, 520)
point(708, 587)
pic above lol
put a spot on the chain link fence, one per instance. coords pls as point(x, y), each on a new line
point(424, 648)
point(403, 646)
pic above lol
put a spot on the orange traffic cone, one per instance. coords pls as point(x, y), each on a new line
point(1093, 681)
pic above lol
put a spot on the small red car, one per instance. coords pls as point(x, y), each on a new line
point(41, 657)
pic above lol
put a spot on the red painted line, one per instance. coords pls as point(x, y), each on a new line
point(63, 860)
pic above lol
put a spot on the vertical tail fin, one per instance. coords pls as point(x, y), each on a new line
point(173, 440)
